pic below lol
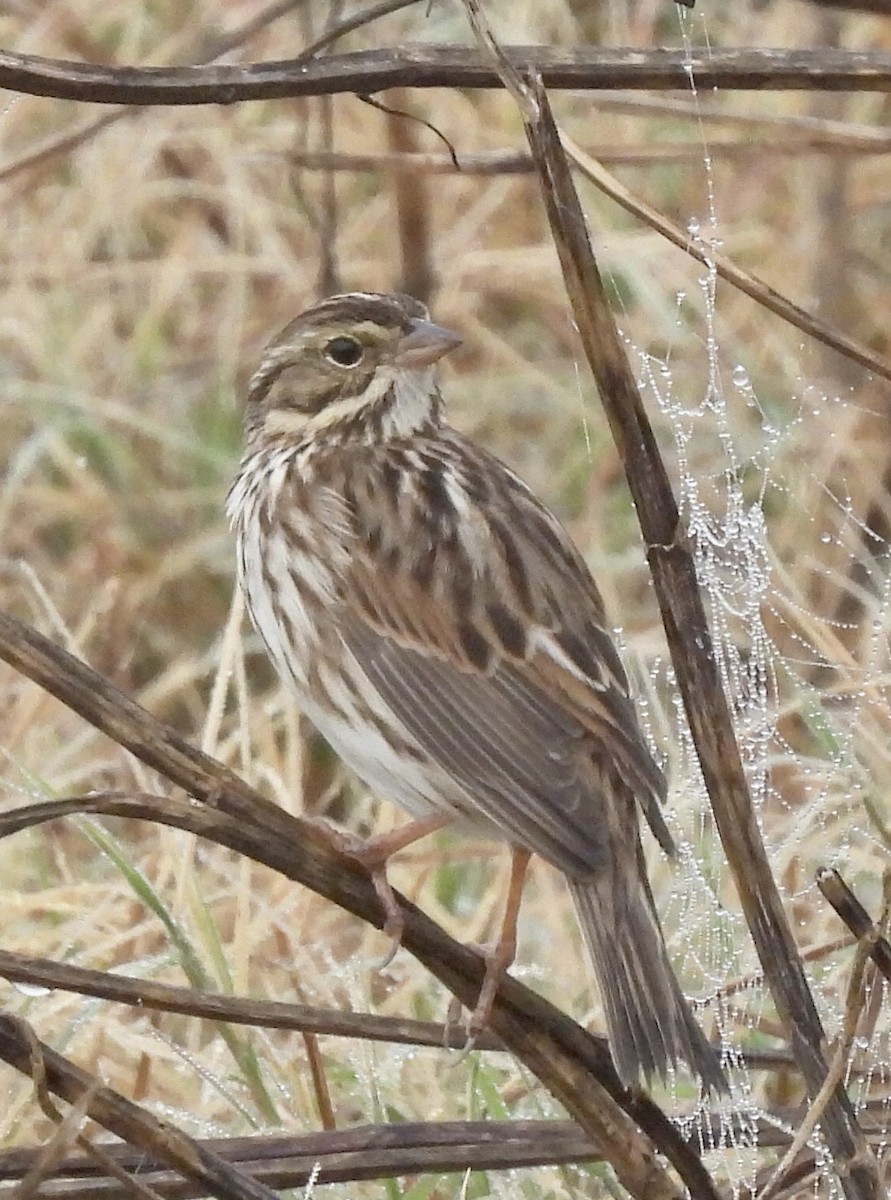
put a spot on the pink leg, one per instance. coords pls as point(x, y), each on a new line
point(500, 957)
point(374, 853)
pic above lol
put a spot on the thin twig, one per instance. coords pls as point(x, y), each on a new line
point(319, 1082)
point(755, 979)
point(855, 916)
point(205, 55)
point(341, 27)
point(759, 291)
point(235, 1010)
point(22, 1050)
point(502, 161)
point(853, 1009)
point(518, 162)
point(266, 1014)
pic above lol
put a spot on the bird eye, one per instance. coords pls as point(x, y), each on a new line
point(344, 351)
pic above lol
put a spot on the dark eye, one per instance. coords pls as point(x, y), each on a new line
point(344, 351)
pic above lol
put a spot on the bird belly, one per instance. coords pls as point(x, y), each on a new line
point(368, 737)
point(416, 786)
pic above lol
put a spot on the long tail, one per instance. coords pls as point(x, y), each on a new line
point(649, 1022)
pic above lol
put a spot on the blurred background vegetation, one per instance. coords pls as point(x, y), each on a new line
point(144, 267)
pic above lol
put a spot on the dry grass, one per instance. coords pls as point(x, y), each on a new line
point(143, 272)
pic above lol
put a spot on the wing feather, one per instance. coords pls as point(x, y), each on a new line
point(486, 638)
point(521, 770)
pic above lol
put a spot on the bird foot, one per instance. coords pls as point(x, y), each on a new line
point(374, 853)
point(499, 956)
point(498, 959)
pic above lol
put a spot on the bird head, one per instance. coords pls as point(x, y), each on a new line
point(356, 365)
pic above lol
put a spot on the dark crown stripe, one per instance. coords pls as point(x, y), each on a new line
point(353, 307)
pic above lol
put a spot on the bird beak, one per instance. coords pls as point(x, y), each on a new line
point(424, 344)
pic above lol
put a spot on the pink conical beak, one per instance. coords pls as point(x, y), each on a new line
point(424, 344)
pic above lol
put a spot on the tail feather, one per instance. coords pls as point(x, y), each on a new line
point(650, 1025)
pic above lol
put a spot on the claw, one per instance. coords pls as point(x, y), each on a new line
point(452, 1024)
point(394, 921)
point(374, 853)
point(498, 958)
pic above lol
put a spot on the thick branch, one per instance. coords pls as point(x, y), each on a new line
point(585, 68)
point(382, 1151)
point(344, 1156)
point(373, 1152)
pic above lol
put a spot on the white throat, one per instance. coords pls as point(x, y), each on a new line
point(414, 398)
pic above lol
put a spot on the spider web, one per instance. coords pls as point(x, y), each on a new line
point(793, 564)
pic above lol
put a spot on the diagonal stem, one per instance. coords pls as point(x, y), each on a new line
point(692, 651)
point(683, 615)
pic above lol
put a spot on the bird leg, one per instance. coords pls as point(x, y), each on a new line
point(374, 853)
point(500, 956)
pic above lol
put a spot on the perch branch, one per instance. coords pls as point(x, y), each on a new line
point(568, 1061)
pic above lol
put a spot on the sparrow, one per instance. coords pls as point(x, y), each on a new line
point(441, 631)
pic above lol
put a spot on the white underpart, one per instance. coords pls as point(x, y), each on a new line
point(418, 787)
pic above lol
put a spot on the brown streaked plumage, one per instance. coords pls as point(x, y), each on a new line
point(445, 636)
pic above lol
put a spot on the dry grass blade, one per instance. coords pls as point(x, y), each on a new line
point(567, 1060)
point(759, 291)
point(18, 1047)
point(853, 1009)
point(68, 1127)
point(44, 1162)
point(683, 615)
